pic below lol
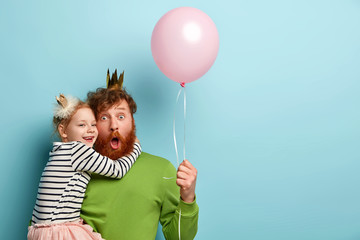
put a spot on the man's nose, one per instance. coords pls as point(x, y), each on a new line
point(114, 125)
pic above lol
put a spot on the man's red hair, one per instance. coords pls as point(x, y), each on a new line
point(103, 98)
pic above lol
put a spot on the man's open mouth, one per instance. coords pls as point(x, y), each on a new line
point(115, 143)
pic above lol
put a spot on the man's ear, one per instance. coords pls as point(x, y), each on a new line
point(62, 132)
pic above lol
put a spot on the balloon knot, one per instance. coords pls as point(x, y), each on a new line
point(182, 84)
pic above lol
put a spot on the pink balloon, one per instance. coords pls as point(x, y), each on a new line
point(184, 44)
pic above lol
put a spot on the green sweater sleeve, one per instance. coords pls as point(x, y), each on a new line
point(173, 207)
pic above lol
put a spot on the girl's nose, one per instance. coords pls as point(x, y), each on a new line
point(91, 129)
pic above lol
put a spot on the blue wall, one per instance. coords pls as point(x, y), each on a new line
point(273, 128)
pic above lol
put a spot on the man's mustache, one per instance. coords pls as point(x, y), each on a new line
point(116, 135)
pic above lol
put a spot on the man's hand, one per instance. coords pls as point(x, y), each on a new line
point(186, 180)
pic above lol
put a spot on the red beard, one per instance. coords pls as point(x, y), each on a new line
point(103, 147)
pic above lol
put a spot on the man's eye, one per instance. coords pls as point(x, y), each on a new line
point(103, 118)
point(121, 117)
point(81, 125)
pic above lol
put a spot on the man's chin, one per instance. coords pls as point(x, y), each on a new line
point(116, 153)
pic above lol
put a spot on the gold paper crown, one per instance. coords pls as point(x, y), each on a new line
point(114, 82)
point(61, 100)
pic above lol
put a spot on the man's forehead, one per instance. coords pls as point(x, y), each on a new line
point(119, 106)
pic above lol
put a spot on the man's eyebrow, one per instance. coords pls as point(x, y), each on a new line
point(120, 108)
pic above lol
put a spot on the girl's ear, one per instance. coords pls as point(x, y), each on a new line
point(62, 132)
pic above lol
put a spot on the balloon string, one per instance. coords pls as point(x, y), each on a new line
point(179, 223)
point(174, 134)
point(184, 144)
point(184, 118)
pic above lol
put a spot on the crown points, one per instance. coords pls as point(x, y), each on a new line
point(61, 100)
point(114, 82)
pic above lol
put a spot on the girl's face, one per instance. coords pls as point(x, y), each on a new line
point(82, 127)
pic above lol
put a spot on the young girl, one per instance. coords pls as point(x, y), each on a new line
point(63, 183)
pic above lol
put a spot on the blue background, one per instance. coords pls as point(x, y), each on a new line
point(273, 128)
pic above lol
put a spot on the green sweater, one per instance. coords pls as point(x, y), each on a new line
point(132, 207)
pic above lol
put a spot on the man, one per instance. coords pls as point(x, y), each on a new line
point(132, 207)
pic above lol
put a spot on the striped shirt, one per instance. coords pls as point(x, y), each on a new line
point(66, 175)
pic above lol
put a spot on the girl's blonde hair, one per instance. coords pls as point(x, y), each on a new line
point(65, 110)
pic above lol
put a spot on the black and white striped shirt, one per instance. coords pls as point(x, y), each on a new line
point(64, 180)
